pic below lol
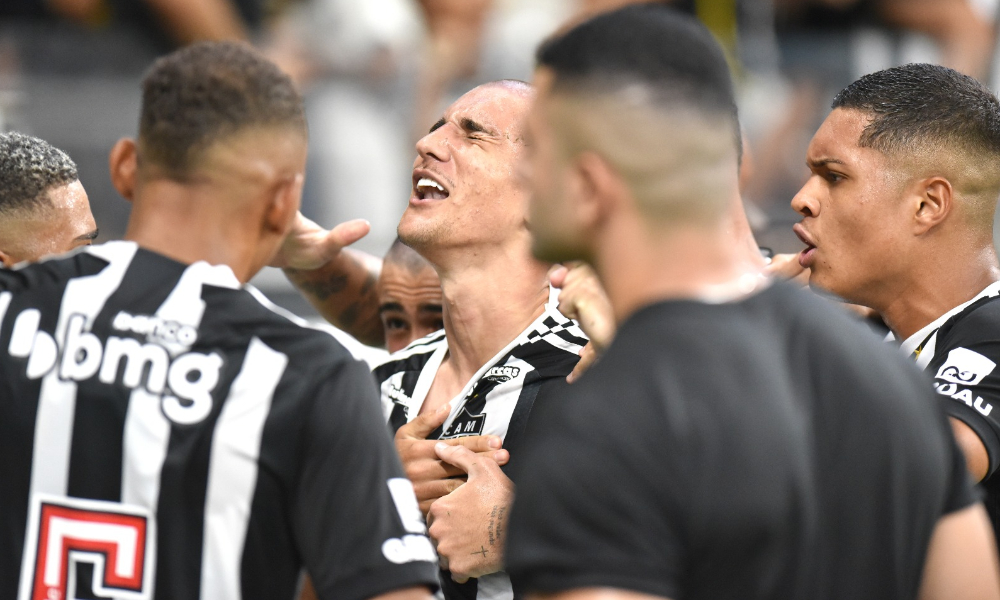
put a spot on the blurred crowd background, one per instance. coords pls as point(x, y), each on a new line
point(377, 73)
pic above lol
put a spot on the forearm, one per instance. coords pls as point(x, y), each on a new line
point(344, 292)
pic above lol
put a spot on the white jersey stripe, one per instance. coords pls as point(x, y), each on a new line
point(147, 430)
point(57, 401)
point(232, 474)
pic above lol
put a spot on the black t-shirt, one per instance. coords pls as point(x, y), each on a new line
point(767, 448)
point(966, 352)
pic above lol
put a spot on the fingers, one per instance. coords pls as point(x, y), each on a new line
point(347, 233)
point(587, 357)
point(787, 266)
point(477, 443)
point(423, 425)
point(557, 275)
point(465, 459)
point(429, 491)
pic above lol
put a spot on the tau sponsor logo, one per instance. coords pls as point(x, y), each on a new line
point(415, 546)
point(465, 423)
point(184, 383)
point(964, 395)
point(965, 367)
point(502, 374)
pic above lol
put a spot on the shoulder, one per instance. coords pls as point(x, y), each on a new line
point(979, 322)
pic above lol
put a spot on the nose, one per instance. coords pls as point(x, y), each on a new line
point(805, 202)
point(435, 145)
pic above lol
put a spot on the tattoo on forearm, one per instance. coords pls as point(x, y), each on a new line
point(325, 288)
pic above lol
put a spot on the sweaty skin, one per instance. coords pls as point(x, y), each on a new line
point(32, 234)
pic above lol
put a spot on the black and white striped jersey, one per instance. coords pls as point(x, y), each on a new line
point(167, 435)
point(496, 401)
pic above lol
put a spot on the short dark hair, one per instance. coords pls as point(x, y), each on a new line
point(406, 257)
point(920, 104)
point(29, 168)
point(207, 91)
point(649, 44)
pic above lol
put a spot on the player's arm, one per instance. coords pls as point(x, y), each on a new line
point(594, 594)
point(977, 459)
point(353, 513)
point(961, 559)
point(339, 282)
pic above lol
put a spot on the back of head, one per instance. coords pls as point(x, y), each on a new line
point(29, 168)
point(659, 104)
point(207, 92)
point(932, 117)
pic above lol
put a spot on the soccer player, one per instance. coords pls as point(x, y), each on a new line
point(409, 297)
point(898, 216)
point(43, 207)
point(165, 433)
point(738, 439)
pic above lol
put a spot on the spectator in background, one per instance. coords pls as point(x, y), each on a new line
point(43, 207)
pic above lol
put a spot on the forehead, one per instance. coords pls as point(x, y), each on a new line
point(839, 134)
point(495, 105)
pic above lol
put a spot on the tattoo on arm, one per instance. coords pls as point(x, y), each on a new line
point(323, 289)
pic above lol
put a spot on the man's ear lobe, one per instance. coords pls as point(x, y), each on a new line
point(599, 185)
point(935, 199)
point(7, 260)
point(122, 163)
point(284, 204)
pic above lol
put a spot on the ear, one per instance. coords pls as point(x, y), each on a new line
point(284, 204)
point(935, 198)
point(123, 164)
point(7, 260)
point(596, 188)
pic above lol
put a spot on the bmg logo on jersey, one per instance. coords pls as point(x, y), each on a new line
point(184, 382)
point(965, 367)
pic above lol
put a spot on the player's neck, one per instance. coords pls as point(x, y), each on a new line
point(640, 266)
point(191, 225)
point(487, 304)
point(942, 282)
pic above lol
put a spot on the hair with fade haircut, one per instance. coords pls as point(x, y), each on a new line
point(406, 257)
point(206, 92)
point(922, 104)
point(670, 54)
point(29, 168)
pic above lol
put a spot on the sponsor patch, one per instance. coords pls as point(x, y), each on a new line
point(965, 367)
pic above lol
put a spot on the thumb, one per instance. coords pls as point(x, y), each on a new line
point(348, 232)
point(423, 425)
point(461, 457)
point(557, 275)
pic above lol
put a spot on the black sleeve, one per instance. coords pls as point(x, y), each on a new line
point(355, 516)
point(589, 512)
point(965, 372)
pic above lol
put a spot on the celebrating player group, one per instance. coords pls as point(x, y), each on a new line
point(598, 388)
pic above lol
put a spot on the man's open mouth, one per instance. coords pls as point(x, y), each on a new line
point(427, 188)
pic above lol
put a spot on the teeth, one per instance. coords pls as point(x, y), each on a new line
point(425, 182)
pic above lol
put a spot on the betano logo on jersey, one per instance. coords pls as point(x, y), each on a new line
point(183, 382)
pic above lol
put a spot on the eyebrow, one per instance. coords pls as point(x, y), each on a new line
point(437, 126)
point(88, 236)
point(397, 307)
point(472, 126)
point(823, 162)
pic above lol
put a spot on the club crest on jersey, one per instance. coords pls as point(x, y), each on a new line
point(87, 549)
point(502, 374)
point(465, 423)
point(965, 367)
point(183, 382)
